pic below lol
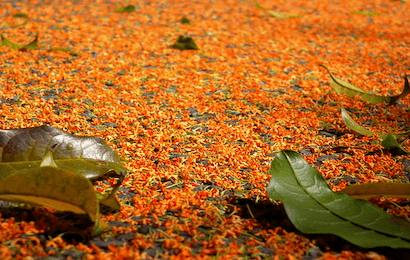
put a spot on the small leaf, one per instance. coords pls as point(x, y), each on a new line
point(378, 189)
point(109, 201)
point(125, 9)
point(314, 209)
point(52, 187)
point(20, 15)
point(6, 42)
point(185, 43)
point(277, 15)
point(365, 13)
point(68, 50)
point(345, 87)
point(391, 142)
point(185, 20)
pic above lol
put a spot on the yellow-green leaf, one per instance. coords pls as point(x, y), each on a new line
point(378, 189)
point(391, 142)
point(389, 139)
point(6, 42)
point(52, 187)
point(125, 9)
point(68, 50)
point(365, 13)
point(109, 200)
point(277, 15)
point(350, 123)
point(345, 87)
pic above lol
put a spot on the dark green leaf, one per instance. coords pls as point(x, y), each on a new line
point(184, 43)
point(20, 15)
point(185, 20)
point(126, 9)
point(345, 87)
point(314, 208)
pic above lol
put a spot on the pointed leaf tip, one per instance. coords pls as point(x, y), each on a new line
point(351, 90)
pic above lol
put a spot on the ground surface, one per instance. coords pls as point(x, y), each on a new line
point(199, 128)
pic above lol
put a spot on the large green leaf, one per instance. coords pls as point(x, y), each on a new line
point(52, 187)
point(313, 208)
point(84, 155)
point(378, 189)
point(345, 87)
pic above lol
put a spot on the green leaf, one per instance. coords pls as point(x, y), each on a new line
point(277, 15)
point(345, 87)
point(389, 139)
point(6, 42)
point(125, 9)
point(20, 15)
point(185, 43)
point(68, 50)
point(109, 201)
point(391, 142)
point(314, 209)
point(90, 157)
point(52, 187)
point(185, 20)
point(350, 123)
point(378, 189)
point(365, 13)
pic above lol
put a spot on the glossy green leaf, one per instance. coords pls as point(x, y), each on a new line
point(345, 87)
point(378, 189)
point(313, 208)
point(185, 43)
point(25, 148)
point(125, 9)
point(52, 187)
point(277, 15)
point(6, 42)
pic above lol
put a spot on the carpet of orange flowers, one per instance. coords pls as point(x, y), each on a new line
point(199, 128)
